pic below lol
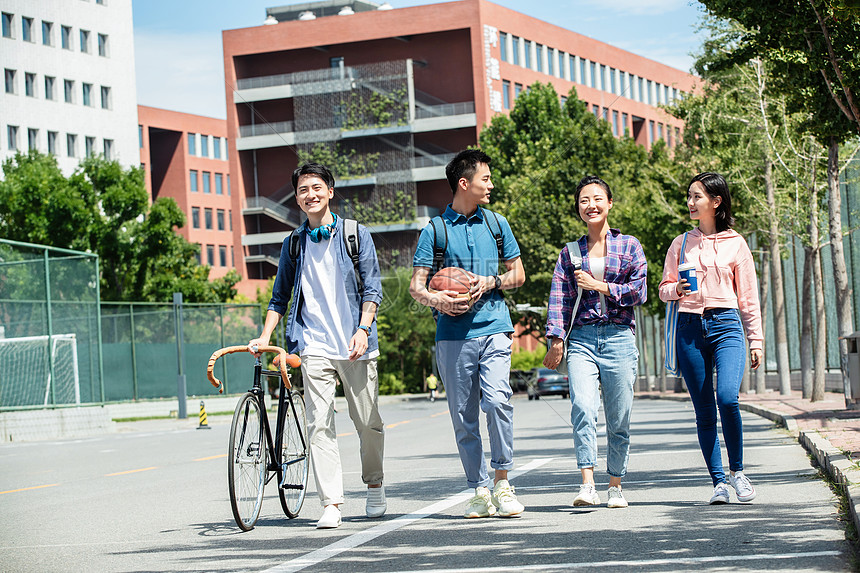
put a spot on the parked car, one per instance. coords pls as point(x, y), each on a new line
point(546, 382)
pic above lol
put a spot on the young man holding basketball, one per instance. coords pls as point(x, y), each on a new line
point(331, 326)
point(473, 337)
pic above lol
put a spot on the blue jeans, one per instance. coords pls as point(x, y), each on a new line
point(716, 338)
point(602, 359)
point(476, 372)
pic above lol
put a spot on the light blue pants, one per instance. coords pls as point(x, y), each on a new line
point(602, 359)
point(475, 373)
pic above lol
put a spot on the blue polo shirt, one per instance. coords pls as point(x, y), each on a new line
point(471, 246)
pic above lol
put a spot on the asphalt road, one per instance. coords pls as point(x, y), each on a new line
point(154, 498)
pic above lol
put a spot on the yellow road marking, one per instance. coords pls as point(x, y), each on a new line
point(131, 472)
point(439, 414)
point(211, 458)
point(346, 434)
point(395, 424)
point(29, 488)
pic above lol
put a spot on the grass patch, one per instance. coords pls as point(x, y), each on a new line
point(843, 510)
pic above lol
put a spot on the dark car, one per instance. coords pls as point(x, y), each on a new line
point(548, 382)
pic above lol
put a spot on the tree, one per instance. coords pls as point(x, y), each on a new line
point(104, 208)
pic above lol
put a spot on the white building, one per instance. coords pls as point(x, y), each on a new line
point(69, 83)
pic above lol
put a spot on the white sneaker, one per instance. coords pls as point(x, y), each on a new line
point(481, 505)
point(505, 499)
point(721, 494)
point(743, 488)
point(587, 495)
point(376, 504)
point(330, 518)
point(616, 498)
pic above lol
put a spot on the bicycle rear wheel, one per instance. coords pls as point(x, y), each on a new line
point(294, 455)
point(246, 462)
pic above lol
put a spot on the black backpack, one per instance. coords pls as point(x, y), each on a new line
point(439, 252)
point(350, 240)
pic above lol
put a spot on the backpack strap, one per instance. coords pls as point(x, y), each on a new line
point(500, 241)
point(351, 241)
point(294, 247)
point(438, 252)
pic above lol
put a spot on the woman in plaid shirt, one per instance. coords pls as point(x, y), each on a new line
point(610, 269)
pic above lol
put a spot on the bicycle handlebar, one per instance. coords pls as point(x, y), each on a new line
point(283, 360)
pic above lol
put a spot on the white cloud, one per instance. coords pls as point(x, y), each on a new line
point(181, 72)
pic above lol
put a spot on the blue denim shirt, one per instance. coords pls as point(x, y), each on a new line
point(471, 246)
point(288, 283)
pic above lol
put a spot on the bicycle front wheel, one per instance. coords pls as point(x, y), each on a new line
point(294, 455)
point(246, 462)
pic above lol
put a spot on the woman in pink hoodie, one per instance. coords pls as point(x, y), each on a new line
point(711, 324)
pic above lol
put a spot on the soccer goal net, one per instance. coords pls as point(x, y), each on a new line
point(26, 374)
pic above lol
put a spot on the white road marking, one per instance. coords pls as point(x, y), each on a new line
point(362, 537)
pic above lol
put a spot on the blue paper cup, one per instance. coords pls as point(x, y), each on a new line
point(687, 272)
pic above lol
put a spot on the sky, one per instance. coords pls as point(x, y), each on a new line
point(180, 62)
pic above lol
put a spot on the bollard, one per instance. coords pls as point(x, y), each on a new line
point(204, 425)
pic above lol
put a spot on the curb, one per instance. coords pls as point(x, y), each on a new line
point(844, 473)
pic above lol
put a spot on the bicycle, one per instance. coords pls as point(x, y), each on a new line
point(253, 458)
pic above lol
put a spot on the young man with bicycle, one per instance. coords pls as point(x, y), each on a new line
point(331, 325)
point(473, 338)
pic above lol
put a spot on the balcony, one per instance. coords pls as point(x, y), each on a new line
point(277, 211)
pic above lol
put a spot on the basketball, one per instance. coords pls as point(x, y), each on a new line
point(451, 279)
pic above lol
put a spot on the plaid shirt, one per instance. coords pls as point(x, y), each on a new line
point(625, 273)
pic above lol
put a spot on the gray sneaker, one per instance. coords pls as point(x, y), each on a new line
point(743, 488)
point(481, 505)
point(587, 495)
point(721, 494)
point(616, 498)
point(505, 500)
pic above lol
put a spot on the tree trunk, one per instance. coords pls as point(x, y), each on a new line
point(820, 311)
point(840, 276)
point(661, 358)
point(761, 373)
point(779, 323)
point(806, 364)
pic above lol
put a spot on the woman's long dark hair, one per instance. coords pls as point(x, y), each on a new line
point(715, 186)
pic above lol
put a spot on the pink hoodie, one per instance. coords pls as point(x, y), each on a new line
point(726, 273)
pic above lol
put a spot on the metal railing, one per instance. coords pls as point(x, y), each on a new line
point(462, 108)
point(266, 128)
point(285, 213)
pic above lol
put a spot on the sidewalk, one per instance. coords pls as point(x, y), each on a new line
point(827, 430)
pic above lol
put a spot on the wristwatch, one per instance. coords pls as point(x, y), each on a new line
point(498, 282)
point(365, 328)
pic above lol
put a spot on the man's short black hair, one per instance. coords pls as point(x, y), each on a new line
point(320, 171)
point(465, 164)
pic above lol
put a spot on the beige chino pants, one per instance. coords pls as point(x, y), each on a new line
point(361, 388)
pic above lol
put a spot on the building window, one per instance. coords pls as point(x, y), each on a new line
point(659, 131)
point(192, 144)
point(103, 45)
point(650, 131)
point(592, 78)
point(71, 145)
point(12, 137)
point(219, 184)
point(222, 255)
point(52, 142)
point(669, 135)
point(87, 91)
point(69, 91)
point(539, 48)
point(517, 89)
point(596, 110)
point(29, 84)
point(8, 24)
point(207, 218)
point(27, 29)
point(47, 33)
point(612, 86)
point(32, 139)
point(106, 104)
point(230, 218)
point(219, 218)
point(515, 42)
point(624, 123)
point(206, 182)
point(9, 77)
point(677, 135)
point(140, 136)
point(49, 88)
point(89, 146)
point(648, 92)
point(216, 147)
point(549, 62)
point(108, 148)
point(204, 145)
point(232, 257)
point(228, 187)
point(528, 53)
point(336, 62)
point(210, 255)
point(503, 46)
point(197, 256)
point(195, 217)
point(506, 93)
point(85, 41)
point(66, 37)
point(193, 180)
point(615, 123)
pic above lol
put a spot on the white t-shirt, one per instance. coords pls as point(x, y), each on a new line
point(598, 267)
point(325, 308)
